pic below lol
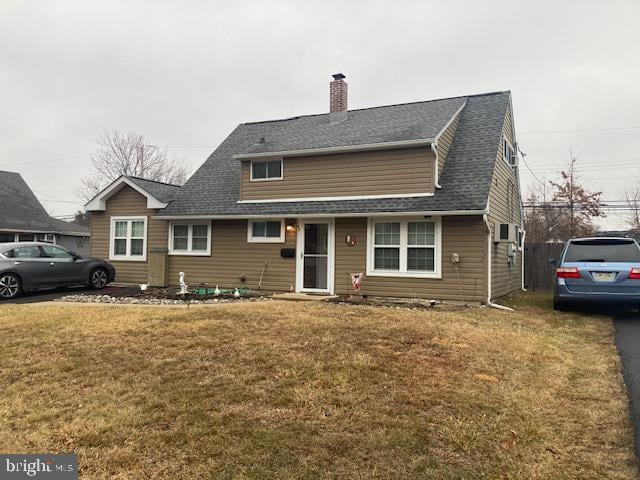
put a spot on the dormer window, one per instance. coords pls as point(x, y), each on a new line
point(266, 170)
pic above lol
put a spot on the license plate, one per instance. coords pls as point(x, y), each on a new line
point(604, 276)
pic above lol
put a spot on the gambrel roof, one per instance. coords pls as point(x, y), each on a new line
point(465, 181)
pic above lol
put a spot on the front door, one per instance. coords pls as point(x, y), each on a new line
point(315, 260)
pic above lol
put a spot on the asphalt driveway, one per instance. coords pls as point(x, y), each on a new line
point(628, 343)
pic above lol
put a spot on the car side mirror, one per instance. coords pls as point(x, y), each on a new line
point(76, 257)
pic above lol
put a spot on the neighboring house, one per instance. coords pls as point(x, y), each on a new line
point(423, 198)
point(635, 234)
point(24, 219)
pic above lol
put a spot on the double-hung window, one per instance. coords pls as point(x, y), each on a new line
point(190, 238)
point(128, 238)
point(404, 248)
point(266, 170)
point(265, 231)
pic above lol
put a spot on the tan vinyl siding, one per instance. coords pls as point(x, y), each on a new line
point(126, 202)
point(462, 235)
point(444, 142)
point(504, 207)
point(232, 257)
point(385, 172)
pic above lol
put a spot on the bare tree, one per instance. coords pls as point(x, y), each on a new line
point(129, 154)
point(561, 209)
point(632, 199)
point(543, 221)
point(579, 204)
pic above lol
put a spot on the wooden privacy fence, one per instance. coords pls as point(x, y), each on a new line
point(538, 272)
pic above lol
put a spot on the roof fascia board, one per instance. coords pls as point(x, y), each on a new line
point(57, 232)
point(329, 199)
point(425, 213)
point(343, 149)
point(99, 202)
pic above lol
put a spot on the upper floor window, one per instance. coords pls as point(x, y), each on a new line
point(266, 170)
point(266, 231)
point(190, 239)
point(128, 238)
point(508, 153)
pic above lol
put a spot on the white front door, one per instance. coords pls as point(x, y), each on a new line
point(315, 256)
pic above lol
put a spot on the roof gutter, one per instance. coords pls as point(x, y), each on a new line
point(342, 149)
point(56, 232)
point(323, 215)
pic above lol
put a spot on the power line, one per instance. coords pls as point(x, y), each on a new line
point(577, 130)
point(59, 201)
point(534, 175)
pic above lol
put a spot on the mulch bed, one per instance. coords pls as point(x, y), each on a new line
point(159, 296)
point(414, 304)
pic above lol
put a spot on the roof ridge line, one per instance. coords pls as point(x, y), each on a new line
point(295, 117)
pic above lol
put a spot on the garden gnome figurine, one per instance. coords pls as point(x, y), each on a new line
point(183, 284)
point(217, 291)
point(236, 293)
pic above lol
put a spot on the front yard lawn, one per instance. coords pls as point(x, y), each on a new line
point(299, 390)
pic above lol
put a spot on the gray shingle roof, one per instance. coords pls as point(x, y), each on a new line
point(395, 123)
point(20, 210)
point(162, 191)
point(466, 179)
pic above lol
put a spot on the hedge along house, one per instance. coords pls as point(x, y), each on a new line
point(423, 198)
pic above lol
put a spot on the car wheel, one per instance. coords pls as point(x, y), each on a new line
point(98, 278)
point(9, 286)
point(559, 306)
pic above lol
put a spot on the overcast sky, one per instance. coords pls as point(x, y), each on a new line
point(184, 74)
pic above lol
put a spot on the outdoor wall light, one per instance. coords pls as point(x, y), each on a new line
point(291, 228)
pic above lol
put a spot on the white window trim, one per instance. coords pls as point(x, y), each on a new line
point(403, 272)
point(505, 140)
point(112, 231)
point(252, 239)
point(190, 252)
point(270, 179)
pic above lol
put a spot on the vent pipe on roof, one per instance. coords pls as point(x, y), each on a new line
point(338, 99)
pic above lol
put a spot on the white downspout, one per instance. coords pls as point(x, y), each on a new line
point(524, 236)
point(489, 242)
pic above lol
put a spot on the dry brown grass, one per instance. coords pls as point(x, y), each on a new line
point(290, 390)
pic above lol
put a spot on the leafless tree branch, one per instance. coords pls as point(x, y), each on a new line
point(130, 154)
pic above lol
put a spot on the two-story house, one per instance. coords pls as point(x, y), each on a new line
point(422, 198)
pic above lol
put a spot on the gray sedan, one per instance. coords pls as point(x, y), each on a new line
point(33, 266)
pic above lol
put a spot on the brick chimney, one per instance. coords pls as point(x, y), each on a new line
point(338, 98)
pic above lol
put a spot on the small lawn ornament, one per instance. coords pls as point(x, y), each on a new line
point(143, 286)
point(356, 281)
point(183, 284)
point(217, 291)
point(236, 293)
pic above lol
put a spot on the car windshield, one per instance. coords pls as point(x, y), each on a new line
point(605, 250)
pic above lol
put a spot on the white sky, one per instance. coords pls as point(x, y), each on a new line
point(184, 74)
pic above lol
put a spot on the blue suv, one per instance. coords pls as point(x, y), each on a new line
point(599, 269)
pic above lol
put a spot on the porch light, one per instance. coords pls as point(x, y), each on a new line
point(291, 228)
